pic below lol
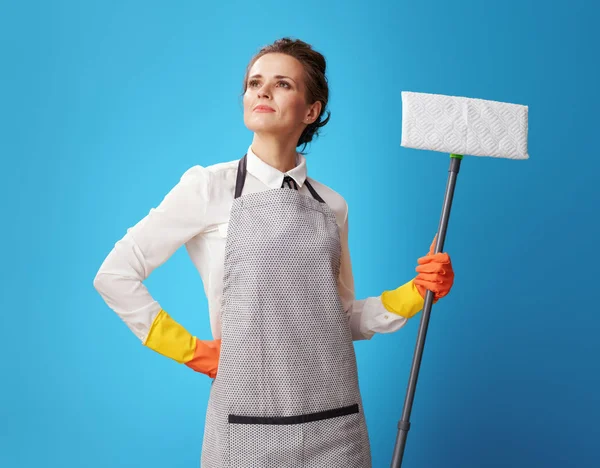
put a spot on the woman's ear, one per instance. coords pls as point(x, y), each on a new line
point(313, 112)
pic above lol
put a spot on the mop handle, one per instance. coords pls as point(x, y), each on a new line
point(404, 423)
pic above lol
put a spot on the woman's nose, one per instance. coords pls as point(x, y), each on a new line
point(263, 91)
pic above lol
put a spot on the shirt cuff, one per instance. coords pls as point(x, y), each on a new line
point(369, 316)
point(377, 319)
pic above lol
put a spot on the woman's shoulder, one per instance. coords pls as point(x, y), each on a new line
point(220, 169)
point(211, 175)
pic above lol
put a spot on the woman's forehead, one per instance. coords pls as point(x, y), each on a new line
point(277, 64)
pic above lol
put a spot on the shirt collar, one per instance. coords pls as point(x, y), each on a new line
point(271, 176)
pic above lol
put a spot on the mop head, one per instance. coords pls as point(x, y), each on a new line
point(464, 126)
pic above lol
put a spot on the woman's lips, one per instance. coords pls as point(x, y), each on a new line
point(263, 109)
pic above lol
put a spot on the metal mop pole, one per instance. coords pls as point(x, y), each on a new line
point(404, 423)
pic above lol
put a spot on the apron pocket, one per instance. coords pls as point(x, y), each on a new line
point(281, 442)
point(338, 442)
point(265, 445)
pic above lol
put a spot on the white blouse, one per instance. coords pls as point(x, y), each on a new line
point(196, 213)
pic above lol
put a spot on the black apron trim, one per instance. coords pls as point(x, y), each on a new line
point(241, 178)
point(302, 418)
point(313, 192)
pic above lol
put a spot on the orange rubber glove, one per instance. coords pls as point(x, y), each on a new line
point(435, 273)
point(206, 357)
point(169, 338)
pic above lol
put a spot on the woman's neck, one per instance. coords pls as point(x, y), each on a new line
point(280, 154)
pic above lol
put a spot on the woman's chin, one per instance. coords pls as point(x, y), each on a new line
point(263, 127)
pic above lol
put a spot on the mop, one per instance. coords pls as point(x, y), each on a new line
point(459, 126)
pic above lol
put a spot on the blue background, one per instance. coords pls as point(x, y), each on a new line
point(104, 105)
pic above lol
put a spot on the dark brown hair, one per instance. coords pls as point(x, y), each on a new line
point(314, 65)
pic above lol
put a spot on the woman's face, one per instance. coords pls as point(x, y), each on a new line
point(277, 81)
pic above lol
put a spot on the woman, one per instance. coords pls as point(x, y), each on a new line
point(271, 246)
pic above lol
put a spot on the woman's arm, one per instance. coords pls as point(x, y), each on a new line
point(147, 245)
point(391, 310)
point(368, 316)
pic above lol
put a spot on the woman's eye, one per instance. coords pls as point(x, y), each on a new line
point(253, 83)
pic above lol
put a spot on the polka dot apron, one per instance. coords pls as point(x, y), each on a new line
point(286, 392)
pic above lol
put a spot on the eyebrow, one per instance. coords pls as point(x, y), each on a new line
point(276, 76)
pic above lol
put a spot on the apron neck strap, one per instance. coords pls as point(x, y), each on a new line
point(241, 178)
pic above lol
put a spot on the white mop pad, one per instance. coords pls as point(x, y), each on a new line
point(464, 126)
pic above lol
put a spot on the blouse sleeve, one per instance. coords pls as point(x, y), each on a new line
point(365, 316)
point(179, 217)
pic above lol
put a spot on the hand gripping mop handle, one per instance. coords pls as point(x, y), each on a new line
point(404, 423)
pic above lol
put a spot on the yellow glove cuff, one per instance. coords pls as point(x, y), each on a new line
point(170, 339)
point(405, 301)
